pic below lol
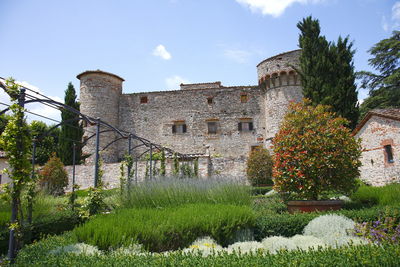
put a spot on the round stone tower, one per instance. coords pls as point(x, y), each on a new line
point(100, 93)
point(281, 83)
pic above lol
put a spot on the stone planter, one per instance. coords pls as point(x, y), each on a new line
point(313, 205)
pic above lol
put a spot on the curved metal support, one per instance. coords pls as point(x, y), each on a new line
point(112, 142)
point(56, 126)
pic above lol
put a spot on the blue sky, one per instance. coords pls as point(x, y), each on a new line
point(157, 44)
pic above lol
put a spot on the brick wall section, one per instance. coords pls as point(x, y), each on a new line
point(376, 133)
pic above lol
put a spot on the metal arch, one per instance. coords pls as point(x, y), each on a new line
point(112, 142)
point(56, 126)
point(112, 127)
point(94, 121)
point(84, 117)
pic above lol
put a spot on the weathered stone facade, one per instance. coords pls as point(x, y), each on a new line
point(380, 140)
point(4, 165)
point(208, 119)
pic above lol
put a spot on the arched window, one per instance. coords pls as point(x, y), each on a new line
point(292, 78)
point(274, 80)
point(284, 78)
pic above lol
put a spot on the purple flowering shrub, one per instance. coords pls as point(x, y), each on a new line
point(383, 230)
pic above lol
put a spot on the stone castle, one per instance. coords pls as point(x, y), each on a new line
point(222, 124)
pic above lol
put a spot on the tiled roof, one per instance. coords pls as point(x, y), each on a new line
point(389, 113)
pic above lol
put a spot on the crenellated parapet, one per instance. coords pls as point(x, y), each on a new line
point(278, 78)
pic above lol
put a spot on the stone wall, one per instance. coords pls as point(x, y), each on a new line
point(154, 120)
point(156, 115)
point(4, 176)
point(281, 83)
point(375, 134)
point(99, 94)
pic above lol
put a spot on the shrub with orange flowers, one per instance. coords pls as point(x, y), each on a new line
point(315, 153)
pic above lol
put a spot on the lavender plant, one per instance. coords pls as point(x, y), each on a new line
point(377, 232)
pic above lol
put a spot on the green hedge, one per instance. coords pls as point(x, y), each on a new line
point(52, 224)
point(291, 224)
point(367, 255)
point(166, 229)
point(385, 195)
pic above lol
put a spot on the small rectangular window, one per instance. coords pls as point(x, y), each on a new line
point(143, 100)
point(212, 127)
point(245, 126)
point(179, 128)
point(243, 98)
point(209, 100)
point(389, 153)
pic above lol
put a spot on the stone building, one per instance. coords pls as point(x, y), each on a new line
point(3, 165)
point(380, 139)
point(220, 123)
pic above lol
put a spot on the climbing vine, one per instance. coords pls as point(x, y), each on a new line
point(15, 141)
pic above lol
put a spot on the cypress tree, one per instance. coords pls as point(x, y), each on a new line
point(71, 130)
point(327, 71)
point(314, 60)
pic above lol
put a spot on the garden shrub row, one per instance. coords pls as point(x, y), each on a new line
point(385, 195)
point(51, 224)
point(291, 224)
point(366, 255)
point(165, 229)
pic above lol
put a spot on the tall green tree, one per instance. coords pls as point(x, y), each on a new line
point(314, 60)
point(384, 86)
point(327, 70)
point(46, 142)
point(343, 96)
point(71, 130)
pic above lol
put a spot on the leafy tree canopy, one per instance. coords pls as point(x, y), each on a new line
point(384, 86)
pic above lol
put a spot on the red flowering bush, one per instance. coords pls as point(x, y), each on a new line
point(315, 153)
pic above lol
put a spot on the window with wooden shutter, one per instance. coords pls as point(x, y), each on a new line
point(245, 125)
point(179, 127)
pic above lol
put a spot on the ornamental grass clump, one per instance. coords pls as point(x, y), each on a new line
point(170, 192)
point(315, 153)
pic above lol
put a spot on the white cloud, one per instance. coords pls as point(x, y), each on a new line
point(174, 82)
point(394, 23)
point(274, 8)
point(385, 24)
point(38, 108)
point(396, 11)
point(238, 55)
point(161, 51)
